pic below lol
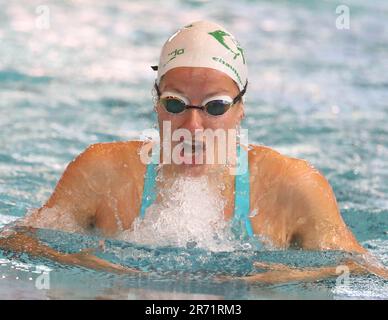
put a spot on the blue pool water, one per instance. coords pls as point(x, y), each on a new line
point(315, 92)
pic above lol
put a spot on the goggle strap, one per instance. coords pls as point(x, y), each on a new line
point(157, 89)
point(240, 95)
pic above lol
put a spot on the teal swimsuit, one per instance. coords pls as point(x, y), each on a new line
point(241, 224)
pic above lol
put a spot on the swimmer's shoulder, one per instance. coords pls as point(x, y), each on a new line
point(120, 151)
point(267, 162)
point(264, 160)
point(110, 158)
point(295, 180)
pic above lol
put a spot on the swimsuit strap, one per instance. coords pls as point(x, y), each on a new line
point(149, 191)
point(242, 193)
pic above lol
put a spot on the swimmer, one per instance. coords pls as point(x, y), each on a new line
point(202, 78)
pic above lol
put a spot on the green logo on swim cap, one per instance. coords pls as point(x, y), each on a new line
point(175, 53)
point(229, 66)
point(220, 35)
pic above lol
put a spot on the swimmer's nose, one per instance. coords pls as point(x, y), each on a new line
point(193, 120)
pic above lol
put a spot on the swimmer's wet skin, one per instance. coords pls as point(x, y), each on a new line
point(102, 189)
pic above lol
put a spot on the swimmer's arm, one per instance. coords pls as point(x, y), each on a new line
point(23, 241)
point(71, 207)
point(315, 221)
point(279, 273)
point(73, 204)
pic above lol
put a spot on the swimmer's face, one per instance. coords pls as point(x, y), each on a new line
point(197, 85)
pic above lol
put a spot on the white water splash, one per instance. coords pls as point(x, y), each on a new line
point(51, 218)
point(4, 220)
point(189, 214)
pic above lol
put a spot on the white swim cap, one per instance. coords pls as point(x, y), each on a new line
point(204, 44)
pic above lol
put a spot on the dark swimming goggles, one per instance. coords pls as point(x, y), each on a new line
point(215, 107)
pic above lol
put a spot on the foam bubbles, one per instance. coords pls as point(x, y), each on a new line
point(189, 213)
point(51, 218)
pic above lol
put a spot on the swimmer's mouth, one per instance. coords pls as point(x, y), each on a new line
point(192, 149)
